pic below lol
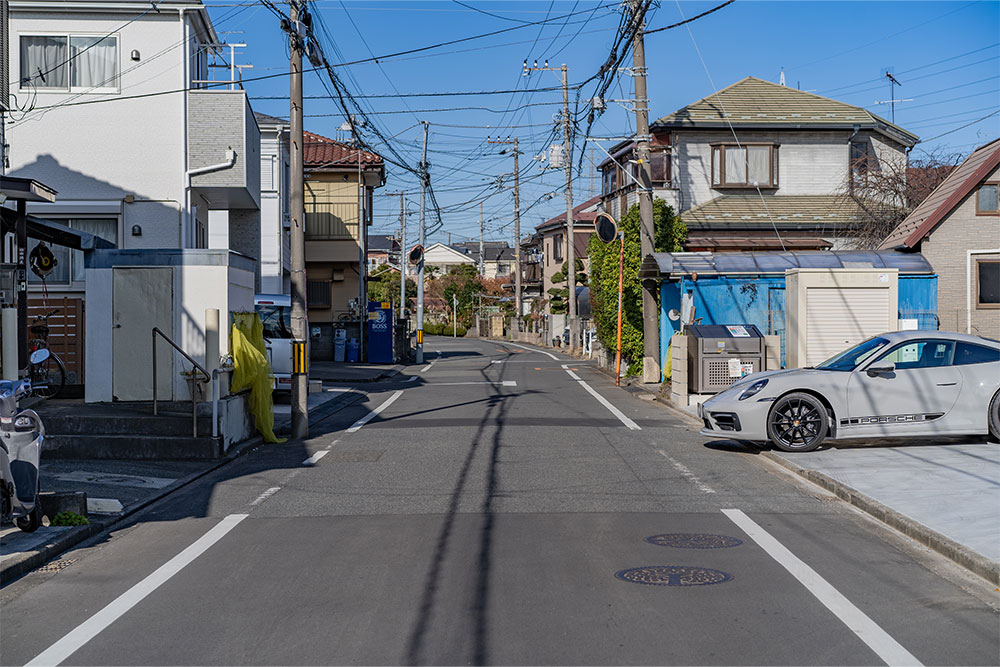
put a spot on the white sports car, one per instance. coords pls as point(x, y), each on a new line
point(900, 384)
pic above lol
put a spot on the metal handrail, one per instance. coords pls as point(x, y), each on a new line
point(208, 378)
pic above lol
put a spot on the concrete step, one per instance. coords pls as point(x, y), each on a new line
point(166, 425)
point(141, 447)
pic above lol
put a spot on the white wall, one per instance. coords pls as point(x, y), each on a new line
point(97, 343)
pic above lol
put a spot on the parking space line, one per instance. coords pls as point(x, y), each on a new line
point(877, 639)
point(371, 415)
point(90, 628)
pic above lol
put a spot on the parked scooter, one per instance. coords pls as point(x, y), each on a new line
point(21, 435)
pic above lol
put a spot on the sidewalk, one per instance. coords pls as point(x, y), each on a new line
point(116, 489)
point(332, 371)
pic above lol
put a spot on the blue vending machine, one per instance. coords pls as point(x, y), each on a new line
point(380, 332)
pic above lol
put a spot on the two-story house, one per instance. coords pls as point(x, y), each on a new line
point(551, 243)
point(497, 260)
point(760, 166)
point(117, 114)
point(339, 183)
point(275, 217)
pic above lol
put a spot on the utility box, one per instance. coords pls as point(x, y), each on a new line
point(829, 310)
point(720, 354)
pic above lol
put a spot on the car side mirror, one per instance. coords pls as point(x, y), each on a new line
point(875, 371)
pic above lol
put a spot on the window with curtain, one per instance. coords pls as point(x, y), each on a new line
point(744, 166)
point(105, 228)
point(69, 62)
point(659, 163)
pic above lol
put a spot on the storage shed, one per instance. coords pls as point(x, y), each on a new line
point(749, 287)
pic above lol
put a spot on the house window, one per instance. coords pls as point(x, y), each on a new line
point(659, 162)
point(69, 263)
point(988, 283)
point(557, 247)
point(69, 62)
point(318, 293)
point(863, 162)
point(742, 166)
point(986, 199)
point(503, 269)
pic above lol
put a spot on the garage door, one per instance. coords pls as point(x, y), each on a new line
point(838, 318)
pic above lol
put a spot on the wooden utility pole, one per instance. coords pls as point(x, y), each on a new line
point(517, 225)
point(299, 315)
point(650, 316)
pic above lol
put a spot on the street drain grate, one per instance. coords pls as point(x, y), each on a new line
point(694, 541)
point(57, 565)
point(673, 575)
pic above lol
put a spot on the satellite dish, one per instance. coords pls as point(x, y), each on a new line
point(606, 227)
point(417, 254)
point(673, 314)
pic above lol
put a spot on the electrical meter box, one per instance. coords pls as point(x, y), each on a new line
point(720, 354)
point(8, 284)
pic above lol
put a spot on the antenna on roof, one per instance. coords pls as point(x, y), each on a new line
point(781, 81)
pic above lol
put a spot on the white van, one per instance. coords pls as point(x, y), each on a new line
point(275, 312)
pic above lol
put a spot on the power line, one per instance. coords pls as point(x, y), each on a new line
point(693, 18)
point(978, 120)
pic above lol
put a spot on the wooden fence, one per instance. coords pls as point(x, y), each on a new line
point(66, 331)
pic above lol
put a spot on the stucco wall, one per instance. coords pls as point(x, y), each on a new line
point(946, 250)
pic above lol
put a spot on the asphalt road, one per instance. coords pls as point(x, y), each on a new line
point(494, 511)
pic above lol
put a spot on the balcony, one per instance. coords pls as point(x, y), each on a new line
point(220, 121)
point(331, 221)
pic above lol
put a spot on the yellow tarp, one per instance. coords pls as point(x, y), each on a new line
point(251, 371)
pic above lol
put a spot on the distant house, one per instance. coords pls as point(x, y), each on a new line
point(382, 249)
point(275, 220)
point(759, 166)
point(498, 257)
point(957, 229)
point(552, 241)
point(445, 258)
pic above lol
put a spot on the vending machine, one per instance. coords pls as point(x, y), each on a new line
point(380, 321)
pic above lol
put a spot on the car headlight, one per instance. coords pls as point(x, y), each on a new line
point(753, 389)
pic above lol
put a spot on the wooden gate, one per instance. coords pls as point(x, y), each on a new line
point(66, 331)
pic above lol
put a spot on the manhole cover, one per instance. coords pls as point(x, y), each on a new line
point(673, 575)
point(57, 565)
point(694, 541)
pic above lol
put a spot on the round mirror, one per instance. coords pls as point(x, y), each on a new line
point(606, 227)
point(417, 254)
point(38, 356)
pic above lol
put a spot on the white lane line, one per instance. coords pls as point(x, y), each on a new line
point(330, 446)
point(606, 403)
point(371, 415)
point(686, 473)
point(412, 378)
point(428, 366)
point(312, 460)
point(500, 383)
point(531, 349)
point(264, 496)
point(877, 639)
point(90, 628)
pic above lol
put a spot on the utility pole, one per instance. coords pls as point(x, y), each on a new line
point(363, 265)
point(402, 256)
point(300, 324)
point(568, 168)
point(650, 316)
point(420, 267)
point(517, 225)
point(4, 80)
point(482, 231)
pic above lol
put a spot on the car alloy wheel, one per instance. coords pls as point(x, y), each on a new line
point(797, 423)
point(994, 417)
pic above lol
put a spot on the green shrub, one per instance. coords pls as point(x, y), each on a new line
point(69, 519)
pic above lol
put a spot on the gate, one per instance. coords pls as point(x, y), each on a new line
point(66, 331)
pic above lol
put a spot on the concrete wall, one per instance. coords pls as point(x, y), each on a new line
point(274, 241)
point(946, 249)
point(218, 121)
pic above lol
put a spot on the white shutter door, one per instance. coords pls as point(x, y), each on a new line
point(839, 318)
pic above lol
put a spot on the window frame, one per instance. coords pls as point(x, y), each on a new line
point(71, 254)
point(70, 88)
point(950, 361)
point(720, 147)
point(994, 212)
point(866, 163)
point(979, 304)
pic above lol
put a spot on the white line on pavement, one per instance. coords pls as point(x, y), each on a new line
point(502, 383)
point(571, 373)
point(311, 461)
point(686, 473)
point(264, 496)
point(371, 415)
point(90, 628)
point(428, 366)
point(606, 403)
point(877, 639)
point(412, 378)
point(531, 349)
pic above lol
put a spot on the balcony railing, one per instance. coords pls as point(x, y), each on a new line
point(327, 221)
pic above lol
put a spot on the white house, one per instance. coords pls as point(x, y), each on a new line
point(445, 258)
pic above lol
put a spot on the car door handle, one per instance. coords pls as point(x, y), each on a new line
point(946, 384)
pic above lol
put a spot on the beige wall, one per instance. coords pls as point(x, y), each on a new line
point(945, 248)
point(550, 265)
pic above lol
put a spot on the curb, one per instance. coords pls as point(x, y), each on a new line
point(947, 547)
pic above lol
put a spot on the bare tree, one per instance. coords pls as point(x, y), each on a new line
point(880, 193)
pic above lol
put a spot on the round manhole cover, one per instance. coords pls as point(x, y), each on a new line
point(673, 575)
point(694, 541)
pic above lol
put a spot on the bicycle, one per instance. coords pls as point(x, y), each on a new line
point(46, 370)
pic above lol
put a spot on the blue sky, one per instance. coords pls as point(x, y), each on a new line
point(946, 54)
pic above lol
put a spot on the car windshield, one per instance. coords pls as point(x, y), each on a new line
point(853, 357)
point(277, 320)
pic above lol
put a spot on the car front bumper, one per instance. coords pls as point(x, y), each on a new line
point(725, 416)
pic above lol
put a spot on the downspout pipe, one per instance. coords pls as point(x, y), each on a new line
point(188, 175)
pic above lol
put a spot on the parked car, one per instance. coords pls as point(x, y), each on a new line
point(275, 312)
point(900, 384)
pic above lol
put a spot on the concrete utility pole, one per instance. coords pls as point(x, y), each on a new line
point(568, 168)
point(4, 80)
point(300, 323)
point(650, 316)
point(402, 256)
point(362, 266)
point(482, 231)
point(517, 225)
point(420, 267)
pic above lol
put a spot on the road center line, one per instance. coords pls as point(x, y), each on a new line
point(877, 639)
point(90, 628)
point(531, 349)
point(606, 403)
point(686, 473)
point(371, 415)
point(264, 496)
point(311, 461)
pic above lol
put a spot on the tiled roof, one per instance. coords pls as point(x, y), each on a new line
point(945, 197)
point(382, 243)
point(752, 102)
point(580, 214)
point(320, 152)
point(790, 212)
point(264, 119)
